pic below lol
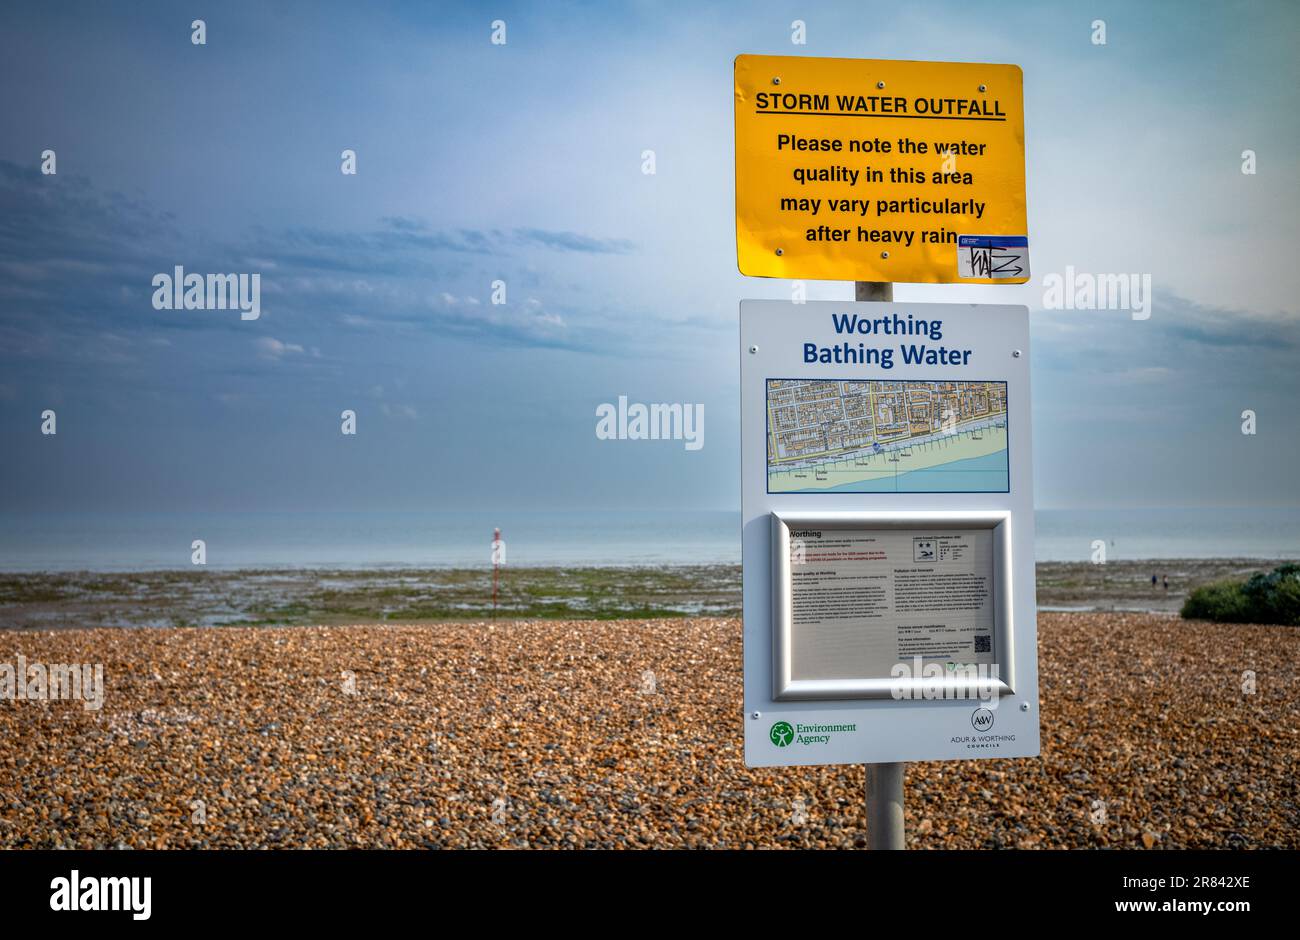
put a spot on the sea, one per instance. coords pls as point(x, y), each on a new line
point(106, 541)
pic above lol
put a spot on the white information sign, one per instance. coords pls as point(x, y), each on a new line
point(888, 533)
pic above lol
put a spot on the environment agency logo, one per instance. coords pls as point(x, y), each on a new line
point(783, 734)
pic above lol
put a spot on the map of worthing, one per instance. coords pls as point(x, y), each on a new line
point(826, 435)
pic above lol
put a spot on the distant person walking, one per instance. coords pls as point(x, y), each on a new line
point(1166, 580)
point(1153, 582)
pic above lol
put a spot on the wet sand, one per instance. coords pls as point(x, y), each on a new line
point(217, 597)
point(1126, 585)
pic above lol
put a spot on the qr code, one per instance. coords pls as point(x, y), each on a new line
point(983, 643)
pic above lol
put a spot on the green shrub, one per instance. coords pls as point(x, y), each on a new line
point(1223, 602)
point(1265, 598)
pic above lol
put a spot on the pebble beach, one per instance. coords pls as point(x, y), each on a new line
point(1157, 733)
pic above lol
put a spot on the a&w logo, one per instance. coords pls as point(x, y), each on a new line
point(982, 719)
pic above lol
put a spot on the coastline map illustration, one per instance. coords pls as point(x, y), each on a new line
point(840, 436)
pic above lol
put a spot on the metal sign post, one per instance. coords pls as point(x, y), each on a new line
point(885, 806)
point(873, 290)
point(884, 788)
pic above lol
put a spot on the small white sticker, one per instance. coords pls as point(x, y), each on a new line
point(993, 257)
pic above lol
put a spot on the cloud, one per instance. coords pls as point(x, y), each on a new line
point(399, 411)
point(77, 259)
point(268, 347)
point(571, 241)
point(1181, 336)
point(1133, 406)
point(404, 224)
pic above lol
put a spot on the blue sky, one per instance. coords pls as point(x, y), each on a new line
point(523, 163)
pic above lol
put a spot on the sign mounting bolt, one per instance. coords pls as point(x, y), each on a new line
point(1015, 354)
point(984, 88)
point(756, 715)
point(780, 252)
point(880, 84)
point(752, 350)
point(776, 79)
point(884, 254)
point(1024, 706)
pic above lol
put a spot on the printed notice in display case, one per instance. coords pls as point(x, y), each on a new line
point(863, 601)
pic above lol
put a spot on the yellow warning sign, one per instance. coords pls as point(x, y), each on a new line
point(876, 170)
